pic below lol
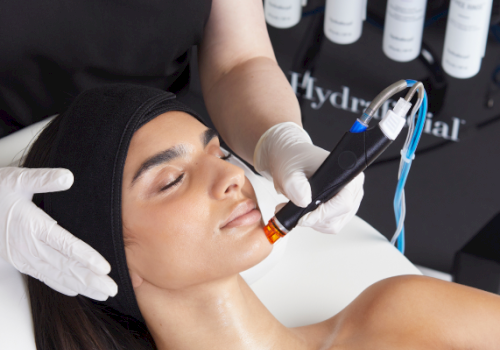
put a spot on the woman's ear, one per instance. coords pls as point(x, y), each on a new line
point(136, 279)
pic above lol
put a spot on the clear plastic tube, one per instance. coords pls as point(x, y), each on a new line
point(415, 129)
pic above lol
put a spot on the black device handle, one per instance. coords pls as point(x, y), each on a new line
point(352, 154)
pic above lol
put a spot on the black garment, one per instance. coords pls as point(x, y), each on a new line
point(50, 51)
point(92, 139)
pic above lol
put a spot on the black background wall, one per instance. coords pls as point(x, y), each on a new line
point(453, 188)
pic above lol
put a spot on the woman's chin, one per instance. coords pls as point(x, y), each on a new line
point(259, 247)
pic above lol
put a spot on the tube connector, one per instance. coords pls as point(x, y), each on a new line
point(387, 93)
point(395, 119)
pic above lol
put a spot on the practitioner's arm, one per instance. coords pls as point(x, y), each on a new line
point(245, 90)
point(248, 97)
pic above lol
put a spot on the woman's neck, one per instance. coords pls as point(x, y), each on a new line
point(225, 314)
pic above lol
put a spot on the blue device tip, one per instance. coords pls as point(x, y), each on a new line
point(358, 127)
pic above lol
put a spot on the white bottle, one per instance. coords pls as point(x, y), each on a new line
point(344, 20)
point(283, 13)
point(466, 36)
point(403, 28)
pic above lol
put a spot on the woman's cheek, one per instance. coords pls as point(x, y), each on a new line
point(187, 217)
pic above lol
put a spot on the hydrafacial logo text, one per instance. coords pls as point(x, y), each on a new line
point(345, 101)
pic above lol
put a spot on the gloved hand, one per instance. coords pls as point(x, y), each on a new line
point(286, 155)
point(35, 245)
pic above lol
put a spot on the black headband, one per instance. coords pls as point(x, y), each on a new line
point(92, 141)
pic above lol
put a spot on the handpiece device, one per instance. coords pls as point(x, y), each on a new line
point(355, 151)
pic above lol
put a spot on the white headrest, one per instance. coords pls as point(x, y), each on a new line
point(16, 326)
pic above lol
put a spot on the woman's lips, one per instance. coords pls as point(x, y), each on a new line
point(245, 213)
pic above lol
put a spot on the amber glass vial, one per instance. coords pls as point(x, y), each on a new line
point(273, 233)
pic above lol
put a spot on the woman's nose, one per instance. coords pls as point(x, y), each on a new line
point(228, 179)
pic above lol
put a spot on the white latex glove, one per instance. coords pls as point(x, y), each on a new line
point(35, 245)
point(286, 155)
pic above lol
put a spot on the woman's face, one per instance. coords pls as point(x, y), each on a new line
point(188, 216)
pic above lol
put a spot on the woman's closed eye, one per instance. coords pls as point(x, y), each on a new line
point(226, 157)
point(173, 183)
point(181, 177)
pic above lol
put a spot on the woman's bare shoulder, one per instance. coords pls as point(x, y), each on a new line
point(414, 312)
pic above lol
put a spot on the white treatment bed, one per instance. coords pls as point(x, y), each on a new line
point(308, 278)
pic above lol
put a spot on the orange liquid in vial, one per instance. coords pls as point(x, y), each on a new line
point(272, 231)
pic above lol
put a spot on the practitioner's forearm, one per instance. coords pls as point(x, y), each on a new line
point(248, 100)
point(244, 89)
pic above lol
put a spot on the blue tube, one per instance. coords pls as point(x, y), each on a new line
point(410, 154)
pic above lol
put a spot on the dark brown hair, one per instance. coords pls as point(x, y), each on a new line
point(75, 323)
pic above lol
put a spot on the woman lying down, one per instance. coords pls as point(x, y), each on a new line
point(155, 196)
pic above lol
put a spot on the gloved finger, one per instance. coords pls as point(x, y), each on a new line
point(50, 249)
point(297, 189)
point(43, 228)
point(332, 226)
point(89, 280)
point(357, 183)
point(63, 290)
point(325, 227)
point(72, 247)
point(52, 284)
point(73, 277)
point(346, 201)
point(89, 293)
point(96, 295)
point(336, 225)
point(60, 288)
point(60, 266)
point(352, 189)
point(335, 207)
point(87, 283)
point(36, 180)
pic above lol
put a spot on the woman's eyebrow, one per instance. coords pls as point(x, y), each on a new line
point(171, 153)
point(207, 136)
point(160, 158)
